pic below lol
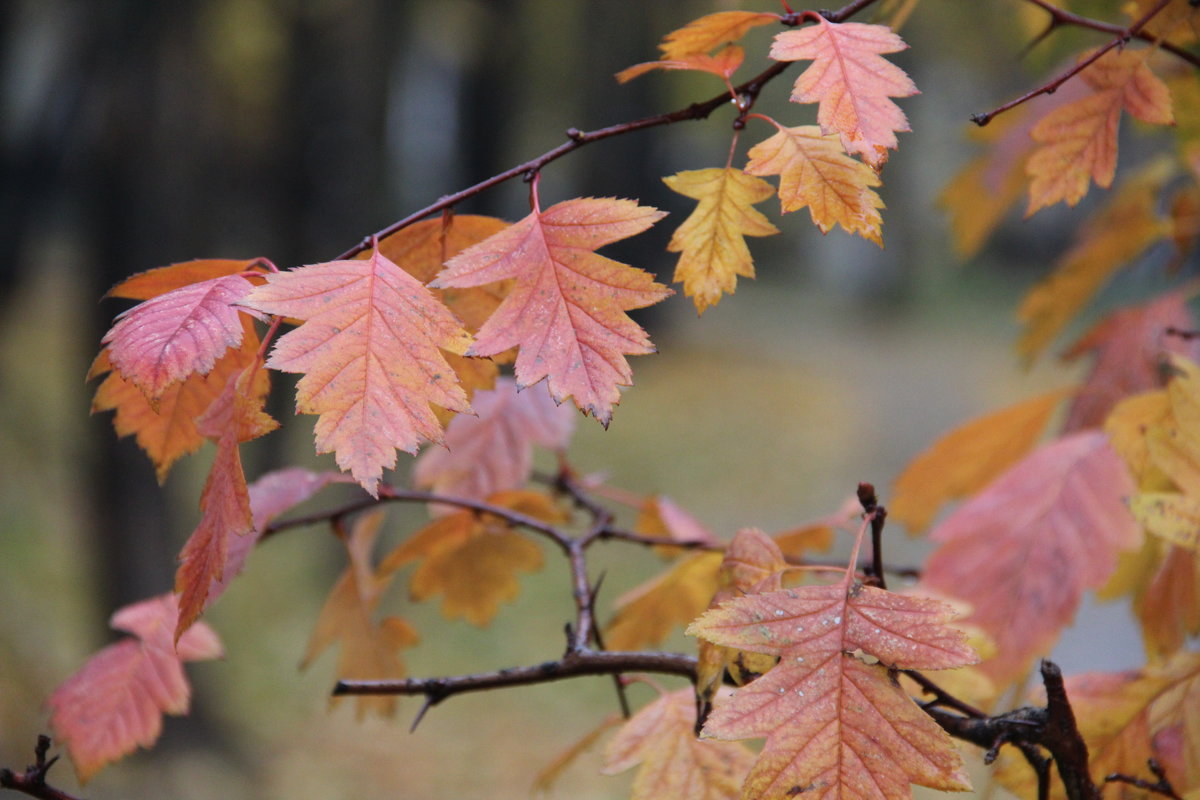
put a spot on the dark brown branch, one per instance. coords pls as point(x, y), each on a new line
point(878, 514)
point(1122, 35)
point(1161, 786)
point(1060, 17)
point(33, 780)
point(575, 664)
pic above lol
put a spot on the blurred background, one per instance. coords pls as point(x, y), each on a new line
point(138, 133)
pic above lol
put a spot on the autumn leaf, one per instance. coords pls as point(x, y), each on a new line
point(1111, 239)
point(1079, 140)
point(493, 450)
point(1126, 426)
point(1131, 348)
point(163, 340)
point(235, 417)
point(815, 173)
point(852, 82)
point(1023, 551)
point(836, 724)
point(646, 614)
point(723, 64)
point(662, 517)
point(712, 239)
point(368, 650)
point(674, 763)
point(566, 311)
point(967, 458)
point(370, 350)
point(114, 703)
point(160, 280)
point(752, 564)
point(169, 433)
point(420, 250)
point(471, 559)
point(1127, 718)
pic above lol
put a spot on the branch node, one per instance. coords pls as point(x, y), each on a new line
point(574, 134)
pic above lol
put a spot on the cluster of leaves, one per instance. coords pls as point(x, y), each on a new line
point(401, 342)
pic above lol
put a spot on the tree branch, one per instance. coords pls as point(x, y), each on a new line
point(1122, 36)
point(1060, 16)
point(33, 780)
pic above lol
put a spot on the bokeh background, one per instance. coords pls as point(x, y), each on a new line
point(137, 133)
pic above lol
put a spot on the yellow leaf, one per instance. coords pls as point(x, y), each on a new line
point(1175, 445)
point(967, 458)
point(1126, 427)
point(369, 651)
point(711, 240)
point(646, 614)
point(1079, 139)
point(674, 763)
point(1172, 516)
point(1113, 237)
point(815, 173)
point(471, 559)
point(709, 32)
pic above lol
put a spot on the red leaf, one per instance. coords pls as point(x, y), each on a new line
point(493, 451)
point(162, 341)
point(1131, 348)
point(851, 81)
point(1023, 551)
point(114, 703)
point(836, 724)
point(371, 354)
point(235, 417)
point(566, 311)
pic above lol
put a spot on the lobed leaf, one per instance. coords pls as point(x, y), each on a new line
point(161, 341)
point(566, 311)
point(836, 724)
point(851, 81)
point(493, 451)
point(674, 763)
point(115, 702)
point(1023, 551)
point(712, 239)
point(815, 173)
point(1079, 140)
point(370, 350)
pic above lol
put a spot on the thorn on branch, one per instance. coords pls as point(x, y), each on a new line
point(1161, 786)
point(33, 780)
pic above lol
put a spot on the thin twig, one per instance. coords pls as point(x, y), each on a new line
point(33, 780)
point(1122, 36)
point(1161, 786)
point(1061, 16)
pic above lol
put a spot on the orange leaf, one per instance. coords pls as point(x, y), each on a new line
point(709, 32)
point(1079, 140)
point(169, 433)
point(723, 64)
point(369, 651)
point(851, 81)
point(163, 340)
point(836, 645)
point(967, 458)
point(1131, 347)
point(236, 416)
point(753, 563)
point(646, 614)
point(160, 280)
point(712, 238)
point(1032, 542)
point(114, 703)
point(472, 560)
point(815, 173)
point(1113, 237)
point(674, 763)
point(566, 311)
point(493, 451)
point(370, 351)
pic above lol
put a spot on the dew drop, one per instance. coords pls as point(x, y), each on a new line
point(779, 612)
point(837, 620)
